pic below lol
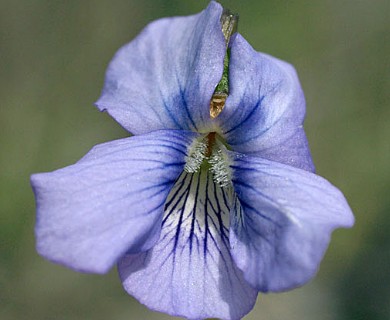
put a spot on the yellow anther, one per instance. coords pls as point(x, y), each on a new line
point(217, 104)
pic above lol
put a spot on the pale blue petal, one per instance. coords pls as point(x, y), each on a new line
point(190, 271)
point(265, 109)
point(282, 222)
point(109, 202)
point(164, 79)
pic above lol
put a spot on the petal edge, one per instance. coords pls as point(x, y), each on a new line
point(282, 222)
point(109, 202)
point(165, 77)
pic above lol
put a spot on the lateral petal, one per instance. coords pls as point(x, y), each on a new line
point(190, 271)
point(282, 221)
point(164, 79)
point(109, 202)
point(264, 112)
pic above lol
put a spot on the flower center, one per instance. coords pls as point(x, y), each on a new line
point(209, 153)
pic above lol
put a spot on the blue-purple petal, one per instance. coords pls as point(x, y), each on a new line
point(265, 109)
point(164, 79)
point(109, 202)
point(190, 271)
point(282, 222)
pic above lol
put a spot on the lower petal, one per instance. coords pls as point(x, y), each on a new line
point(109, 202)
point(282, 221)
point(190, 271)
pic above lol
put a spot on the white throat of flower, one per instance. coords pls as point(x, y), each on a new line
point(209, 153)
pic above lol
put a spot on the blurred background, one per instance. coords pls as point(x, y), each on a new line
point(53, 56)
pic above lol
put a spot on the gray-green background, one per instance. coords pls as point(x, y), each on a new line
point(53, 56)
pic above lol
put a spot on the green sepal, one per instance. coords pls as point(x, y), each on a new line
point(229, 23)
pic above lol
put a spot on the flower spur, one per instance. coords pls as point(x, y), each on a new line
point(213, 198)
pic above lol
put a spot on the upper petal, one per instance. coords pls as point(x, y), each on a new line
point(110, 201)
point(264, 112)
point(282, 222)
point(164, 79)
point(190, 271)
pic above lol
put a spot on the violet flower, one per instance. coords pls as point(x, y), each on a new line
point(201, 208)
